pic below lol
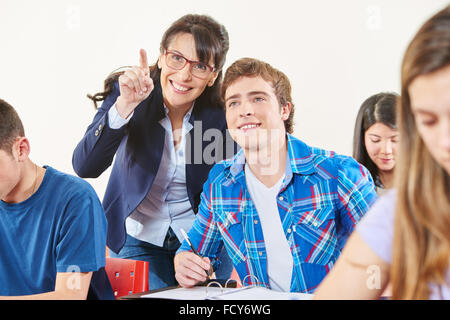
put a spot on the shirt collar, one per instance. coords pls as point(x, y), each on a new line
point(166, 124)
point(187, 115)
point(301, 158)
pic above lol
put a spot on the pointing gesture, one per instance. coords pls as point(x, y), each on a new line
point(135, 86)
point(143, 61)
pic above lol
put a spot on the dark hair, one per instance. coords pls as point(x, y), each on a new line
point(380, 108)
point(211, 41)
point(249, 67)
point(11, 126)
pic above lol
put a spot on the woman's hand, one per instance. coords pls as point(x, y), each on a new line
point(135, 86)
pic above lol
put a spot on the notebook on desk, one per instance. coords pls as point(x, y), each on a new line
point(195, 293)
point(211, 287)
point(215, 291)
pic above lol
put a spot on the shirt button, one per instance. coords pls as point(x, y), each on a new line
point(281, 198)
point(256, 221)
point(100, 127)
point(260, 253)
point(97, 133)
point(289, 230)
point(315, 224)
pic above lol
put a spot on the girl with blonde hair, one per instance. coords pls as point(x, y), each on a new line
point(404, 238)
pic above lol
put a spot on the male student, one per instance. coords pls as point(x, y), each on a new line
point(52, 226)
point(282, 209)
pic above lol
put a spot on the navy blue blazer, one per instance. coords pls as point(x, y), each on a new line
point(138, 148)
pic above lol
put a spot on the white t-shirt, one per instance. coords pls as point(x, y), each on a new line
point(279, 256)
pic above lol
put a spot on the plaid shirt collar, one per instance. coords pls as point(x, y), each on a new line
point(299, 161)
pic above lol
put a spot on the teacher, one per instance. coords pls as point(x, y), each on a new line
point(165, 125)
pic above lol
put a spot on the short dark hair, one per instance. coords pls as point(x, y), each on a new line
point(11, 126)
point(380, 107)
point(249, 67)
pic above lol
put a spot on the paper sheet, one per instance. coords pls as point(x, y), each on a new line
point(215, 293)
point(260, 293)
point(195, 293)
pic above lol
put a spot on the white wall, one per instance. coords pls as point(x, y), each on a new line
point(336, 53)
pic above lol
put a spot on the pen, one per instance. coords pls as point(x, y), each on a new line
point(192, 247)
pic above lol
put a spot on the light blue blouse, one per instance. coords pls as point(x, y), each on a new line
point(167, 202)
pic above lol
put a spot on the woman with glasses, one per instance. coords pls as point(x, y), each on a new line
point(165, 126)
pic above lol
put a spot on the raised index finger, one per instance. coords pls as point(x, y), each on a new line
point(143, 61)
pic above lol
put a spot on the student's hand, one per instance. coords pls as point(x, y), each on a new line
point(135, 86)
point(190, 269)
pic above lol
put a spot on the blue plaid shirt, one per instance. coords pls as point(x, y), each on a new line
point(322, 197)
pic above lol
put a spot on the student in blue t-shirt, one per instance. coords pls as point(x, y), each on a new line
point(52, 225)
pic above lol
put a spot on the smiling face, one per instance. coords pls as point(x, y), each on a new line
point(430, 104)
point(381, 143)
point(254, 116)
point(179, 87)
